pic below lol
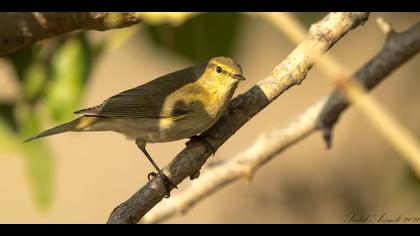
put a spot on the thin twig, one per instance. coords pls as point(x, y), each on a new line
point(396, 51)
point(292, 71)
point(355, 90)
point(385, 26)
point(393, 131)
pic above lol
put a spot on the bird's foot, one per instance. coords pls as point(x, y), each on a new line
point(203, 141)
point(166, 182)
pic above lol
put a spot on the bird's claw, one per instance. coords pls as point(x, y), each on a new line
point(166, 182)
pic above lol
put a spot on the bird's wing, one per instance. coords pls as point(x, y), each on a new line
point(146, 101)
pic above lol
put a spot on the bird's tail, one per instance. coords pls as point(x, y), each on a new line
point(78, 124)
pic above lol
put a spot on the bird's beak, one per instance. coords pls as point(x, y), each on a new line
point(239, 77)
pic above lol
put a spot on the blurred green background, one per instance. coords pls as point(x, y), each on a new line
point(80, 178)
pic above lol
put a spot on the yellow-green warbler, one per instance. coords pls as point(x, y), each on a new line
point(175, 106)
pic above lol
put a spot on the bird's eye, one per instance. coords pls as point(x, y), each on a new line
point(219, 69)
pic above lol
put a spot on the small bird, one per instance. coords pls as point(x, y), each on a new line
point(175, 106)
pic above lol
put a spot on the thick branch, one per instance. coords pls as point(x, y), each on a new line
point(322, 36)
point(22, 28)
point(398, 48)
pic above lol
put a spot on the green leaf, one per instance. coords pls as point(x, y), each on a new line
point(28, 122)
point(200, 38)
point(38, 157)
point(70, 69)
point(39, 163)
point(21, 61)
point(7, 115)
point(40, 172)
point(31, 71)
point(34, 80)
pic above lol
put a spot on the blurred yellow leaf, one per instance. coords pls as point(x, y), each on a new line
point(40, 172)
point(35, 77)
point(39, 164)
point(117, 38)
point(173, 18)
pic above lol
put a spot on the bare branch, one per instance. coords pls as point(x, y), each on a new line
point(22, 28)
point(322, 36)
point(401, 138)
point(384, 25)
point(398, 49)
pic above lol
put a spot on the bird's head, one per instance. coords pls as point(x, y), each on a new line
point(224, 69)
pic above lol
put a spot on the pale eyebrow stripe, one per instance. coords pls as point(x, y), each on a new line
point(213, 65)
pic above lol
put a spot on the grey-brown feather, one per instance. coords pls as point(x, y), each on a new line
point(146, 101)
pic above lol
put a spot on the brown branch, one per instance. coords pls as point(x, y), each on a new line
point(322, 36)
point(22, 28)
point(398, 136)
point(398, 48)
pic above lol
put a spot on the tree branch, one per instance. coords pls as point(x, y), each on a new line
point(23, 28)
point(398, 136)
point(322, 36)
point(398, 48)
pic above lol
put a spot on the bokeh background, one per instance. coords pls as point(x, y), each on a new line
point(81, 177)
